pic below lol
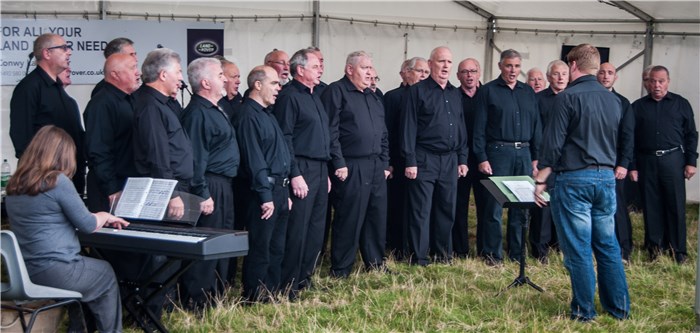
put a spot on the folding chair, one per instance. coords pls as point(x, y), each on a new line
point(21, 290)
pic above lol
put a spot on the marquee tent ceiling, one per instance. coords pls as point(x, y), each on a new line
point(591, 9)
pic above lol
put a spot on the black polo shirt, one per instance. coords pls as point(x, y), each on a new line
point(357, 125)
point(109, 125)
point(264, 151)
point(433, 120)
point(304, 123)
point(665, 124)
point(162, 148)
point(214, 145)
point(506, 115)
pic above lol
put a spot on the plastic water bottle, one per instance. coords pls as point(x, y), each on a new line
point(5, 172)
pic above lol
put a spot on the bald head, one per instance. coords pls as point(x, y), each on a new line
point(607, 75)
point(122, 71)
point(440, 64)
point(279, 60)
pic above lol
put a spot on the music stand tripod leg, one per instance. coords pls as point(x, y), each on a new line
point(522, 278)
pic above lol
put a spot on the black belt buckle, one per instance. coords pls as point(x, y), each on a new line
point(517, 145)
point(660, 153)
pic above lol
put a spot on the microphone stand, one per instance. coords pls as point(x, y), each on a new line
point(183, 87)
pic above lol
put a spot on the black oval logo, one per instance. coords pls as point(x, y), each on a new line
point(206, 48)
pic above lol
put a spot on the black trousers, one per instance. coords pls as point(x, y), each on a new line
point(543, 234)
point(663, 194)
point(307, 224)
point(262, 267)
point(396, 231)
point(623, 224)
point(241, 198)
point(460, 230)
point(505, 161)
point(360, 216)
point(431, 207)
point(96, 200)
point(204, 278)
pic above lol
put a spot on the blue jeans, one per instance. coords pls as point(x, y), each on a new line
point(583, 207)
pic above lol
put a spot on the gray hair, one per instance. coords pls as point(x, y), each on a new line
point(198, 70)
point(157, 61)
point(354, 57)
point(509, 54)
point(116, 46)
point(659, 68)
point(412, 62)
point(300, 58)
point(553, 63)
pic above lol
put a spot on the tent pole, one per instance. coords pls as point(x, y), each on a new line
point(314, 27)
point(648, 48)
point(488, 56)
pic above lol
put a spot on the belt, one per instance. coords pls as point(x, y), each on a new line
point(598, 167)
point(278, 181)
point(516, 145)
point(662, 152)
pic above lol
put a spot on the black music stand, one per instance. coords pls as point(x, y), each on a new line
point(507, 199)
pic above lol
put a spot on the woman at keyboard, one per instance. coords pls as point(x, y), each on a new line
point(44, 211)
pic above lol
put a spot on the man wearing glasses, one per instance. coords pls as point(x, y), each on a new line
point(279, 60)
point(39, 100)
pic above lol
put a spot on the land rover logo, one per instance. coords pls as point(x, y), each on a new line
point(206, 48)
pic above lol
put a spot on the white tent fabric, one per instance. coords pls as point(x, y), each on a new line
point(394, 30)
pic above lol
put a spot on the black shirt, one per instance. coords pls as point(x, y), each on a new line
point(583, 127)
point(98, 87)
point(214, 145)
point(161, 146)
point(109, 118)
point(264, 152)
point(357, 125)
point(433, 120)
point(318, 90)
point(392, 117)
point(38, 101)
point(625, 148)
point(507, 115)
point(665, 124)
point(469, 110)
point(231, 106)
point(304, 123)
point(545, 101)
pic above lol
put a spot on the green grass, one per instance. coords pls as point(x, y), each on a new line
point(462, 298)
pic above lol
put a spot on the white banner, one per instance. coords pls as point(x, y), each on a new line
point(88, 39)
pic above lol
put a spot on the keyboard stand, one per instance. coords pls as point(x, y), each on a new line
point(136, 302)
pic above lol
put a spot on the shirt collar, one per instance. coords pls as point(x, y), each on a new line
point(300, 86)
point(46, 78)
point(120, 94)
point(502, 82)
point(432, 84)
point(584, 78)
point(155, 93)
point(255, 105)
point(349, 86)
point(203, 101)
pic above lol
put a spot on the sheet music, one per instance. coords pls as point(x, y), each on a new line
point(522, 189)
point(145, 198)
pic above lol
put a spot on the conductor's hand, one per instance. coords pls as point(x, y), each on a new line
point(299, 187)
point(411, 172)
point(485, 168)
point(176, 208)
point(207, 206)
point(342, 173)
point(539, 199)
point(267, 209)
point(113, 198)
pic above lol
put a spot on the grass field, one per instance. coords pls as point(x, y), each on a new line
point(462, 298)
